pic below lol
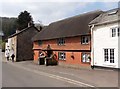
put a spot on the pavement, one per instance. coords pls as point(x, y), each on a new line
point(73, 77)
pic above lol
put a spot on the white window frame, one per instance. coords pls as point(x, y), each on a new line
point(109, 55)
point(106, 55)
point(61, 55)
point(85, 57)
point(85, 40)
point(112, 56)
point(115, 32)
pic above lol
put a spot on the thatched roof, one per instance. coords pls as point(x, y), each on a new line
point(74, 26)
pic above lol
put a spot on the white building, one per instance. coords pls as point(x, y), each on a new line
point(105, 38)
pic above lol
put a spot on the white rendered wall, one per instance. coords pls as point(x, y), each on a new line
point(102, 39)
point(9, 43)
point(12, 42)
point(119, 52)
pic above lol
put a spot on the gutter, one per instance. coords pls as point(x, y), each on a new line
point(92, 46)
point(108, 22)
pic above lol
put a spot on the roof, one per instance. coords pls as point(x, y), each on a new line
point(22, 31)
point(106, 17)
point(73, 26)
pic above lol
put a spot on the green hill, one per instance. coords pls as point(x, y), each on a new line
point(8, 26)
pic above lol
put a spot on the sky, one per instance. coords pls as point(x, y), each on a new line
point(48, 11)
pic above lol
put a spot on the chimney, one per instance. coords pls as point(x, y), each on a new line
point(17, 30)
point(29, 24)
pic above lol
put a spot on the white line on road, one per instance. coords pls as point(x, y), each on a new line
point(78, 83)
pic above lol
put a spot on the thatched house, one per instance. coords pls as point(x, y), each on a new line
point(70, 40)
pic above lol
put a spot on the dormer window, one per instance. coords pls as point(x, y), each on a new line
point(112, 12)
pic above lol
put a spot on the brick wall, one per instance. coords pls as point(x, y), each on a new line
point(73, 43)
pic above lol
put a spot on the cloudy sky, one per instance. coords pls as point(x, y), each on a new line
point(47, 11)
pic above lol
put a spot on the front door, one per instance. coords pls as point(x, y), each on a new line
point(109, 56)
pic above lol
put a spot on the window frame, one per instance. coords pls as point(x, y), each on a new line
point(85, 53)
point(86, 39)
point(40, 42)
point(110, 55)
point(113, 32)
point(61, 41)
point(60, 57)
point(118, 31)
point(106, 55)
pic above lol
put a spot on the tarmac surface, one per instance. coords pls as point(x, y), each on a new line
point(28, 74)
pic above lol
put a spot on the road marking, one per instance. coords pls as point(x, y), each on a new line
point(78, 83)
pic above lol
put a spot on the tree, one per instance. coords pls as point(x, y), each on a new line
point(8, 26)
point(23, 19)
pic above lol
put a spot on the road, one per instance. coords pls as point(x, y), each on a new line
point(28, 74)
point(19, 77)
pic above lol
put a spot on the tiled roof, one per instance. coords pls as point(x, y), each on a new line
point(107, 17)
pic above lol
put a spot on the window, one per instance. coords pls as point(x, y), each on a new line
point(113, 32)
point(85, 40)
point(61, 55)
point(61, 41)
point(112, 12)
point(106, 54)
point(109, 55)
point(116, 32)
point(85, 57)
point(39, 42)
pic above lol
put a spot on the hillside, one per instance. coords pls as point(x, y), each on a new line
point(8, 26)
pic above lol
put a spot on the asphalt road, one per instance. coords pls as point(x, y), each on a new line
point(28, 74)
point(13, 76)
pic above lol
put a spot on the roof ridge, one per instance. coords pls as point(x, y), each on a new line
point(21, 31)
point(112, 10)
point(82, 14)
point(73, 26)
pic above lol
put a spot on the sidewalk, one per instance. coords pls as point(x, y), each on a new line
point(96, 77)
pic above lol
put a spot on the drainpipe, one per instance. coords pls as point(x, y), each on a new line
point(92, 47)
